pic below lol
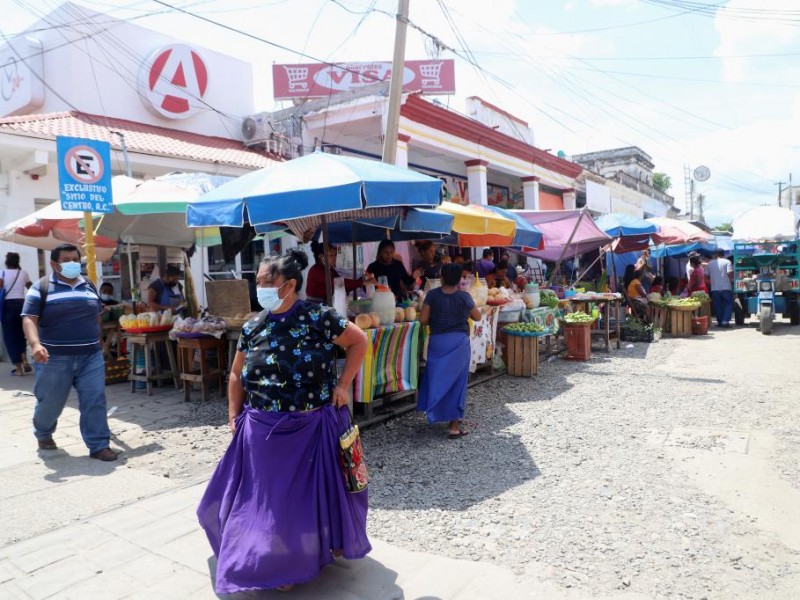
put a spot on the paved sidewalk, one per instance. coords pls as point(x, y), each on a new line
point(77, 528)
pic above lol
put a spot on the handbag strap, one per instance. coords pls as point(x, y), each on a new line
point(11, 287)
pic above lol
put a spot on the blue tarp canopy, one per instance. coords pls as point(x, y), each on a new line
point(415, 224)
point(622, 225)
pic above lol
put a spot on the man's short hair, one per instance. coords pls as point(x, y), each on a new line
point(172, 270)
point(55, 253)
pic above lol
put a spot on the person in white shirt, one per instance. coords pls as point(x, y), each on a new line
point(720, 272)
point(15, 282)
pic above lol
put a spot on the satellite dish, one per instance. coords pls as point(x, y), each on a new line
point(702, 173)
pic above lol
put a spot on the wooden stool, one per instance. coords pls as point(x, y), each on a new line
point(681, 323)
point(141, 344)
point(522, 355)
point(186, 350)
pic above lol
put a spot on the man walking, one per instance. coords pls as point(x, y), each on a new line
point(720, 272)
point(62, 324)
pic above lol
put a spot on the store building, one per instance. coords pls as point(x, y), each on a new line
point(168, 105)
point(621, 181)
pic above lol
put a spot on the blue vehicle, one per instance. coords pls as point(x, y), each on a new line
point(767, 282)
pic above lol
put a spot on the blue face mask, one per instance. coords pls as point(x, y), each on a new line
point(268, 298)
point(71, 269)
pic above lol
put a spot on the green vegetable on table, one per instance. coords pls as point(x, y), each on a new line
point(548, 298)
point(701, 297)
point(524, 328)
point(578, 317)
point(684, 302)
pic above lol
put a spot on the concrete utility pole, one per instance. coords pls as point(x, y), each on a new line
point(396, 85)
point(780, 185)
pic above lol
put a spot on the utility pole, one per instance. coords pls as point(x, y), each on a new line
point(396, 84)
point(780, 185)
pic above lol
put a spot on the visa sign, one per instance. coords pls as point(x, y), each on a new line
point(317, 80)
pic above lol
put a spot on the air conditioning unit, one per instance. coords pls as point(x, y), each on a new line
point(256, 129)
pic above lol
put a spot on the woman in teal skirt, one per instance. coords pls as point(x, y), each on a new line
point(443, 394)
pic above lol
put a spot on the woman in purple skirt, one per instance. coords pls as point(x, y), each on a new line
point(276, 509)
point(443, 394)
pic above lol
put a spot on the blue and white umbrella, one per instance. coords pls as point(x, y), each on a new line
point(303, 193)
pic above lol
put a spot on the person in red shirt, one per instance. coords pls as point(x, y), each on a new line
point(315, 282)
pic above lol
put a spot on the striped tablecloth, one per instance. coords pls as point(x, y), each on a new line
point(391, 363)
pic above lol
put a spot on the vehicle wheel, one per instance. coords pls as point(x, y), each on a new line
point(765, 320)
point(794, 311)
point(738, 312)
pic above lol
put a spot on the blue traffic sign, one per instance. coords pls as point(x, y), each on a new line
point(84, 175)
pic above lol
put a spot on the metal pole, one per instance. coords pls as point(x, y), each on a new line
point(564, 249)
point(396, 84)
point(91, 264)
point(124, 149)
point(325, 246)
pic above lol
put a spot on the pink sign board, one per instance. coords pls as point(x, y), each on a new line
point(317, 80)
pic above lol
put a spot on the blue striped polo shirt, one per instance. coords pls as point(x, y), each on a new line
point(69, 324)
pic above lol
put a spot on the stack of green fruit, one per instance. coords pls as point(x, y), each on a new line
point(578, 317)
point(548, 298)
point(517, 328)
point(684, 303)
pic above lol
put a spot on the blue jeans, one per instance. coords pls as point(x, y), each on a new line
point(723, 305)
point(54, 380)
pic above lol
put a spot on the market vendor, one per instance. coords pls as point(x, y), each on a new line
point(166, 293)
point(107, 294)
point(386, 265)
point(315, 282)
point(430, 262)
point(636, 294)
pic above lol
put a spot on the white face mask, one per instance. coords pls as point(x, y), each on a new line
point(268, 297)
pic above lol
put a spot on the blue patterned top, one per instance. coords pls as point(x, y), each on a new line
point(290, 357)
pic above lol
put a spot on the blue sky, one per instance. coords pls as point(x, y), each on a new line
point(691, 82)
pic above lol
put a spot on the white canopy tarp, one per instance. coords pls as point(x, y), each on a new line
point(765, 223)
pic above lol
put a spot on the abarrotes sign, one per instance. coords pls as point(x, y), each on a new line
point(84, 175)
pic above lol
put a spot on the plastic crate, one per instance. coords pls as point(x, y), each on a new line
point(700, 326)
point(630, 335)
point(117, 370)
point(579, 341)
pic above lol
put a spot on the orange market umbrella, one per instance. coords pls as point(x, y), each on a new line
point(479, 226)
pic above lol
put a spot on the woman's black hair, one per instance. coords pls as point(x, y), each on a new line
point(451, 274)
point(694, 260)
point(657, 280)
point(290, 265)
point(318, 248)
point(630, 275)
point(385, 244)
point(12, 260)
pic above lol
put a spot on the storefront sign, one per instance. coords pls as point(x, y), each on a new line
point(20, 90)
point(84, 174)
point(317, 80)
point(173, 81)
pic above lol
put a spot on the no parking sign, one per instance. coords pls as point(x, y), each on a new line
point(84, 175)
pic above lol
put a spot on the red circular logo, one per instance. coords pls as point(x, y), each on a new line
point(173, 82)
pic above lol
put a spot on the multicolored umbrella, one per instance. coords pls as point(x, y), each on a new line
point(673, 232)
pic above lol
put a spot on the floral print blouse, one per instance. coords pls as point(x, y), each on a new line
point(290, 357)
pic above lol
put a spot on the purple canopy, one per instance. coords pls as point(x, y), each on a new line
point(557, 226)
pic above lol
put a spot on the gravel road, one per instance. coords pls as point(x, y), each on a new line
point(671, 470)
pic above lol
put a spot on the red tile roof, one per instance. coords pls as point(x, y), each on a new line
point(140, 138)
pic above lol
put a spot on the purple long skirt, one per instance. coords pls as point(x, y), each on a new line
point(276, 505)
point(443, 393)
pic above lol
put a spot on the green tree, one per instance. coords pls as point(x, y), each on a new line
point(662, 182)
point(724, 227)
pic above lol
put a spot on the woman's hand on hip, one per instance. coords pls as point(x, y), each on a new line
point(341, 396)
point(232, 423)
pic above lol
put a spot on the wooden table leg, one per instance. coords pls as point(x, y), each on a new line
point(147, 369)
point(172, 365)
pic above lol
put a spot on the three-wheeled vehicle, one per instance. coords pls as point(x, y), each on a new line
point(767, 281)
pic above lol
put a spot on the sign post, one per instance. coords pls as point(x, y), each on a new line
point(84, 184)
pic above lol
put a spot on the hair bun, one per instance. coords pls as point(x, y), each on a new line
point(298, 256)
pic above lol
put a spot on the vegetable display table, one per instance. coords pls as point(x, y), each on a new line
point(211, 366)
point(483, 338)
point(605, 305)
point(141, 346)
